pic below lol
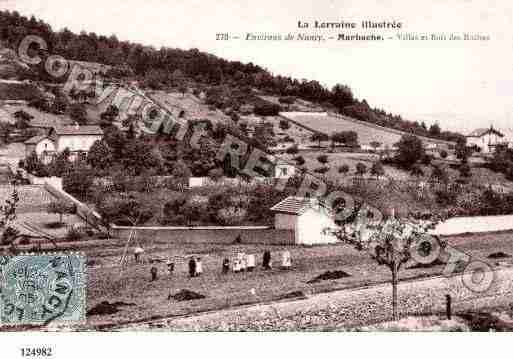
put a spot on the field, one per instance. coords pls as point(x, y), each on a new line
point(194, 108)
point(146, 300)
point(18, 91)
point(367, 133)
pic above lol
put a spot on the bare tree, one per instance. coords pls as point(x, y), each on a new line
point(7, 217)
point(390, 243)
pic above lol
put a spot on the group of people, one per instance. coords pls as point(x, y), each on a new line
point(195, 267)
point(242, 263)
point(246, 262)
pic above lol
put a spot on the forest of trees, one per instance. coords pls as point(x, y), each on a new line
point(172, 67)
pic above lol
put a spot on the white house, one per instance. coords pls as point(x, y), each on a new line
point(77, 139)
point(485, 138)
point(43, 146)
point(284, 170)
point(307, 217)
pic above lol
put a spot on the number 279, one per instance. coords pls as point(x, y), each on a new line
point(223, 36)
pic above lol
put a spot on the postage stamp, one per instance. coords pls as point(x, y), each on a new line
point(40, 289)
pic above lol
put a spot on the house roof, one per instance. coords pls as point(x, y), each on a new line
point(48, 122)
point(295, 205)
point(484, 131)
point(35, 140)
point(78, 130)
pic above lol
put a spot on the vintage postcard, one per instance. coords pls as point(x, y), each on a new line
point(234, 166)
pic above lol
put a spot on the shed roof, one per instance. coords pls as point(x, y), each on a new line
point(78, 130)
point(295, 205)
point(35, 140)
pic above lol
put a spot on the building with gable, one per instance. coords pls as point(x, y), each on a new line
point(77, 139)
point(486, 139)
point(307, 217)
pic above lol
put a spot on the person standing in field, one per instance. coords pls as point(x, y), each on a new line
point(192, 267)
point(226, 266)
point(266, 261)
point(170, 267)
point(199, 267)
point(138, 251)
point(250, 261)
point(236, 265)
point(286, 261)
point(242, 261)
point(153, 272)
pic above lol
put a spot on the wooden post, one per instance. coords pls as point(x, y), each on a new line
point(394, 291)
point(448, 309)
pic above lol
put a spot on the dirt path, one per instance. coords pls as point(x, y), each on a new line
point(347, 308)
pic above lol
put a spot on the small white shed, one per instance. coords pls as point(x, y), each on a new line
point(307, 217)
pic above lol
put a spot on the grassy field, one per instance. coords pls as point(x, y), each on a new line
point(367, 133)
point(146, 299)
point(18, 91)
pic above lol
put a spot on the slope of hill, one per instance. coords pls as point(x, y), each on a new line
point(328, 123)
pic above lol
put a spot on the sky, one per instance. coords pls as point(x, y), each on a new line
point(462, 85)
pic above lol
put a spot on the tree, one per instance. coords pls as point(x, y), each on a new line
point(342, 96)
point(410, 150)
point(323, 159)
point(319, 137)
point(284, 125)
point(60, 164)
point(299, 160)
point(78, 113)
point(61, 208)
point(109, 115)
point(7, 218)
point(416, 170)
point(391, 243)
point(22, 119)
point(138, 156)
point(375, 145)
point(361, 169)
point(461, 150)
point(377, 169)
point(100, 156)
point(465, 170)
point(343, 169)
point(348, 138)
point(5, 130)
point(435, 130)
point(439, 174)
point(78, 180)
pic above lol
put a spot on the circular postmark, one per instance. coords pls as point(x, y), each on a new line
point(40, 289)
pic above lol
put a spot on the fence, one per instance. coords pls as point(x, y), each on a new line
point(477, 224)
point(217, 235)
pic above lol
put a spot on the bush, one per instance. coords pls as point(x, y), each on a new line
point(284, 125)
point(292, 150)
point(267, 109)
point(231, 216)
point(322, 159)
point(426, 160)
point(410, 150)
point(343, 169)
point(287, 100)
point(322, 170)
point(361, 169)
point(299, 160)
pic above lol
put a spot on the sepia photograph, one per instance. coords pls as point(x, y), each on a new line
point(298, 167)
